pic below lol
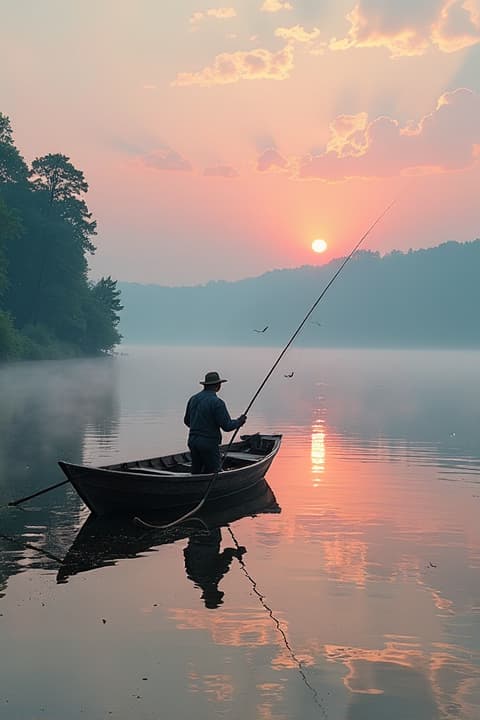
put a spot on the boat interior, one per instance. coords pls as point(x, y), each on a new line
point(250, 450)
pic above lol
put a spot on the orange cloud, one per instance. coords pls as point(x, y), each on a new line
point(227, 68)
point(410, 27)
point(443, 140)
point(218, 13)
point(298, 34)
point(167, 159)
point(225, 171)
point(273, 6)
point(458, 26)
point(348, 134)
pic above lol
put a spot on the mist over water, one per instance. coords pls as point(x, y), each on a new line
point(359, 600)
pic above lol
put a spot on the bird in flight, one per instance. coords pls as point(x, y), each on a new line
point(290, 374)
point(314, 322)
point(261, 331)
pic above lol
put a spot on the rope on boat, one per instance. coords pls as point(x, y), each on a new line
point(144, 523)
point(268, 375)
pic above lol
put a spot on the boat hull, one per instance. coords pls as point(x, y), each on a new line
point(112, 491)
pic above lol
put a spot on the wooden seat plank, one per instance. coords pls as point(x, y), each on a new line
point(245, 456)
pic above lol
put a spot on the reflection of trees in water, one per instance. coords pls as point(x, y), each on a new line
point(44, 415)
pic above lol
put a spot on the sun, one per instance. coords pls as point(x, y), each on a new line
point(319, 245)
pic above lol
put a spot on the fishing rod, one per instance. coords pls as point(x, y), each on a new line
point(268, 375)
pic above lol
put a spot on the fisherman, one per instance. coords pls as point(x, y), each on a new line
point(205, 415)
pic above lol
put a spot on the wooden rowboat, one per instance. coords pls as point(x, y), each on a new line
point(165, 483)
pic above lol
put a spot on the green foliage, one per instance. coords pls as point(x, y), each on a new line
point(55, 176)
point(102, 316)
point(9, 230)
point(38, 342)
point(10, 340)
point(50, 309)
point(108, 296)
point(13, 168)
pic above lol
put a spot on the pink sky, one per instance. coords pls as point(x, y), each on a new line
point(219, 140)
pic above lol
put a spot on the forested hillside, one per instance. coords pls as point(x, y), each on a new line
point(422, 298)
point(48, 307)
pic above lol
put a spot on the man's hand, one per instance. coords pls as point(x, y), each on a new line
point(242, 420)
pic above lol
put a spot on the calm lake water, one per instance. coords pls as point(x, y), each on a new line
point(358, 595)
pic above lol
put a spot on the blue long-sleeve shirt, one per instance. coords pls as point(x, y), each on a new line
point(207, 414)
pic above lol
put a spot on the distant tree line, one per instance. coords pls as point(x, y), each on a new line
point(419, 298)
point(48, 306)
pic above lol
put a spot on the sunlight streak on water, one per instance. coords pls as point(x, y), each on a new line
point(318, 453)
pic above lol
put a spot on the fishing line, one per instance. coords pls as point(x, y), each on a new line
point(316, 698)
point(272, 369)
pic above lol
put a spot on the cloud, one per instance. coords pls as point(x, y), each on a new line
point(126, 147)
point(224, 171)
point(297, 33)
point(348, 134)
point(167, 159)
point(227, 68)
point(219, 13)
point(411, 27)
point(273, 6)
point(446, 139)
point(270, 159)
point(458, 26)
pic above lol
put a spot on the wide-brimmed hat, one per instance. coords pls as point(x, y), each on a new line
point(212, 378)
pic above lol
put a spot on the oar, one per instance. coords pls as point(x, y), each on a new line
point(265, 380)
point(29, 497)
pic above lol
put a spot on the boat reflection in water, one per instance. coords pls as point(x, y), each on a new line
point(103, 541)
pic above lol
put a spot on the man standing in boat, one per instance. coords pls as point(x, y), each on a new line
point(206, 415)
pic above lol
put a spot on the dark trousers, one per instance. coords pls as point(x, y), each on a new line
point(205, 455)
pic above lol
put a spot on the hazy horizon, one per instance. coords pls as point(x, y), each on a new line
point(326, 264)
point(423, 298)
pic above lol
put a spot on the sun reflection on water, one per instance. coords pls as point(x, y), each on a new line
point(318, 453)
